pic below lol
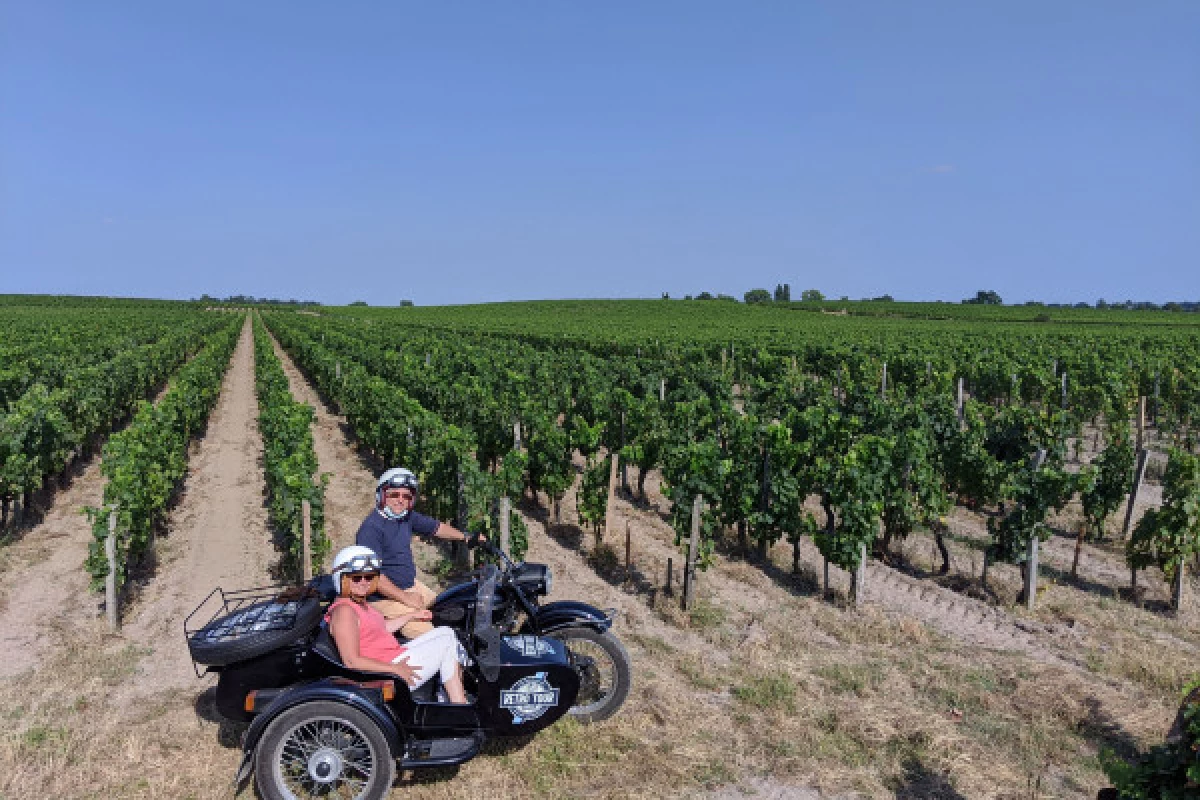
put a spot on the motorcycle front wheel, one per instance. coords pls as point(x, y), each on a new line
point(606, 674)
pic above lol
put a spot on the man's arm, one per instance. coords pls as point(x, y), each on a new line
point(396, 623)
point(410, 597)
point(452, 534)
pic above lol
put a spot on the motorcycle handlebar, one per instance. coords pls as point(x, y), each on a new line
point(492, 549)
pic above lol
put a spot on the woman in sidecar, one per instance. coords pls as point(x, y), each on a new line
point(366, 641)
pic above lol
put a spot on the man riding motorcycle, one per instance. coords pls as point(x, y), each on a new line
point(388, 531)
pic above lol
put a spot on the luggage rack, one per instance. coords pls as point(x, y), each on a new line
point(241, 611)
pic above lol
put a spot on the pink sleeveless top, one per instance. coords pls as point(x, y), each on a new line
point(374, 641)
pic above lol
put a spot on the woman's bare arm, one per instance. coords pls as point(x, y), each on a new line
point(343, 626)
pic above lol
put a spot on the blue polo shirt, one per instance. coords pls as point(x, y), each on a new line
point(391, 539)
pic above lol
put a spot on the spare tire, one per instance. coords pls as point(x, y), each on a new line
point(254, 630)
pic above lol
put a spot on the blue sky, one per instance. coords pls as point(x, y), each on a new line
point(466, 152)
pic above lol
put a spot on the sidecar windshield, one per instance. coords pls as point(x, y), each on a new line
point(487, 638)
point(485, 599)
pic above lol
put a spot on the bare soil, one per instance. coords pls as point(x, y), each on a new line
point(41, 570)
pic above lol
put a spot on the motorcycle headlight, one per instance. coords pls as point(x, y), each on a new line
point(534, 579)
point(549, 580)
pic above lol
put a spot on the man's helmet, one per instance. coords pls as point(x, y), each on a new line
point(395, 478)
point(354, 558)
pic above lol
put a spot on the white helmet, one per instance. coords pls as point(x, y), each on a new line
point(395, 478)
point(354, 558)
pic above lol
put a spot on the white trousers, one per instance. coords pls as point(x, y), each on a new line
point(432, 653)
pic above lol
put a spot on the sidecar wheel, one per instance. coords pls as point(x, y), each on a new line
point(323, 749)
point(605, 682)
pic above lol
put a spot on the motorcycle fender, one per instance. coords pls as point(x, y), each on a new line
point(569, 614)
point(355, 697)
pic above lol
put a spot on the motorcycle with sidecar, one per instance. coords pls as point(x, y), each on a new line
point(317, 728)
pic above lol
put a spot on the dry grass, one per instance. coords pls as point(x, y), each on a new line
point(66, 737)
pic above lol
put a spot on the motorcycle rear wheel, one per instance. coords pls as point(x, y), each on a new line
point(606, 683)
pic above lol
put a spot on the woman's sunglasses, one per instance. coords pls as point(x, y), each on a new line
point(361, 578)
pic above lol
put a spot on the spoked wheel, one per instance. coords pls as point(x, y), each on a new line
point(326, 750)
point(605, 673)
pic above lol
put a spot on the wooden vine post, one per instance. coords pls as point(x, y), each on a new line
point(1138, 475)
point(306, 539)
point(1031, 552)
point(462, 555)
point(624, 470)
point(110, 580)
point(689, 570)
point(612, 495)
point(505, 533)
point(765, 499)
point(1180, 582)
point(859, 581)
point(1141, 422)
point(1078, 548)
point(1154, 409)
point(959, 402)
point(1031, 573)
point(628, 555)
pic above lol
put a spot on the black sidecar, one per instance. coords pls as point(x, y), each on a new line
point(320, 729)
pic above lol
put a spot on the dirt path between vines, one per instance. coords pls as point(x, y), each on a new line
point(218, 532)
point(45, 588)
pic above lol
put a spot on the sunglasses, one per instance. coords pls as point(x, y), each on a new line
point(362, 578)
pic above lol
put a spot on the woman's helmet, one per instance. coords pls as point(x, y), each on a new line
point(354, 558)
point(395, 478)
